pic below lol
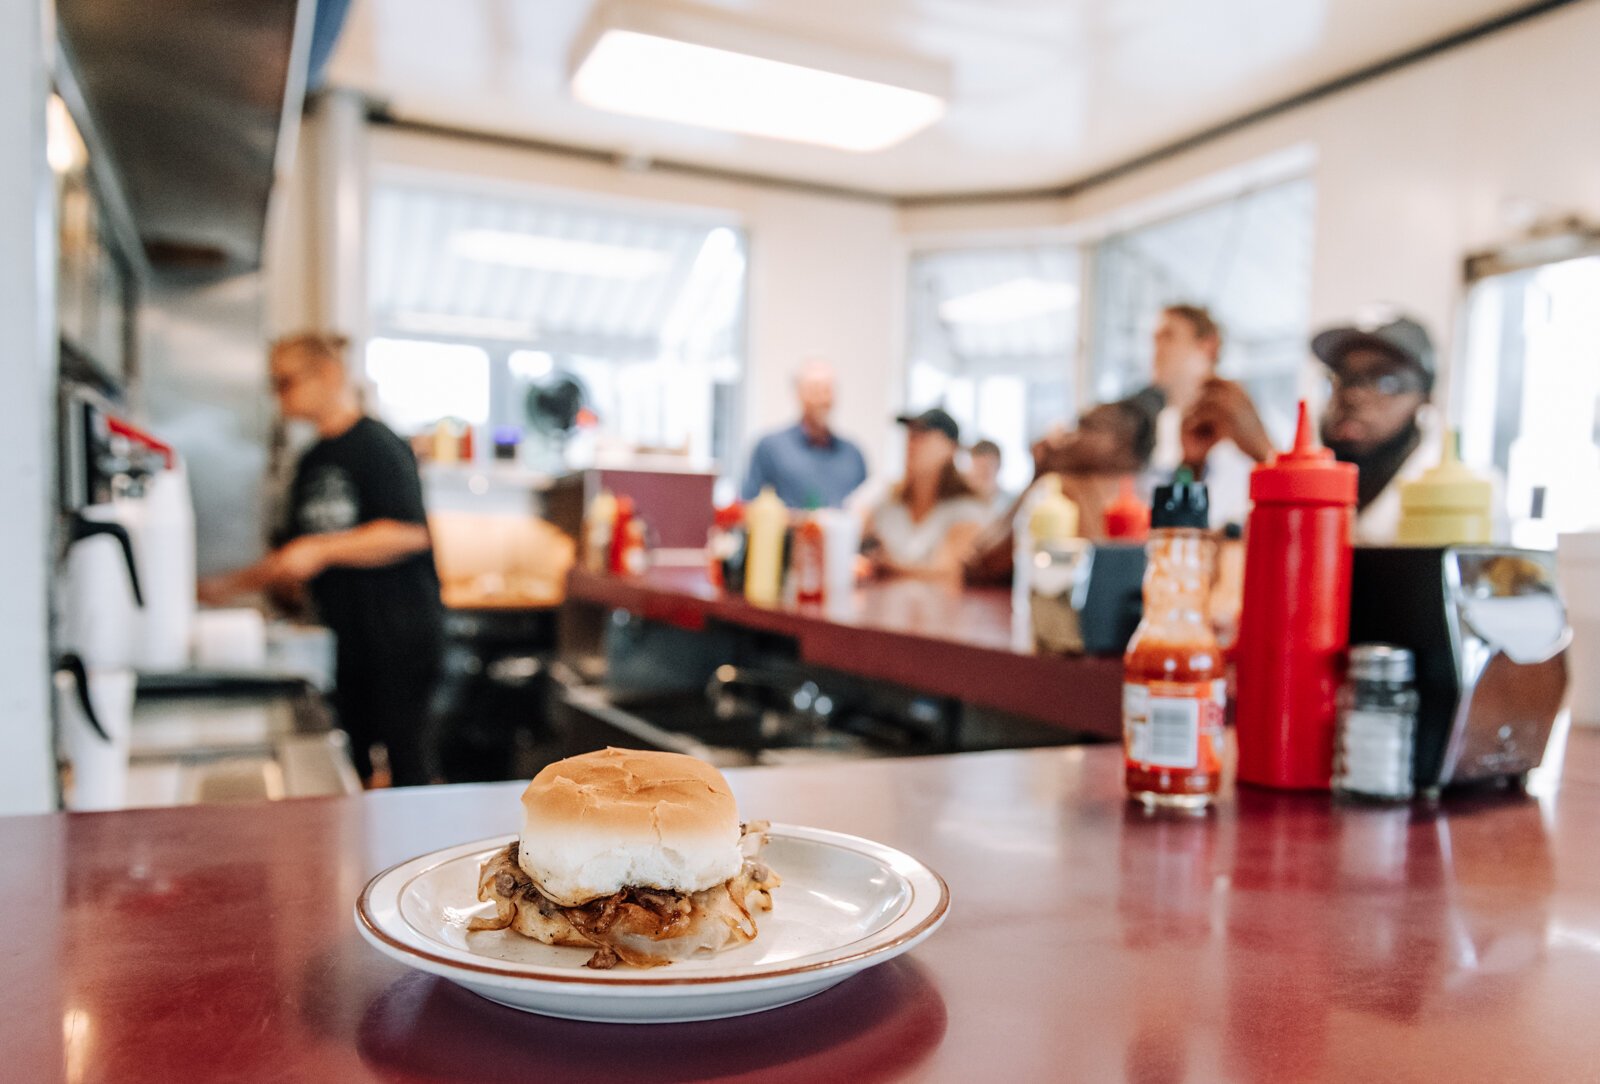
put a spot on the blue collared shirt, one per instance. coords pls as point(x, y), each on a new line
point(802, 471)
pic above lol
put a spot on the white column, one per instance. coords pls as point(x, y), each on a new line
point(340, 246)
point(27, 406)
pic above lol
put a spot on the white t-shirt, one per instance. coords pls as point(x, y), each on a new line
point(910, 543)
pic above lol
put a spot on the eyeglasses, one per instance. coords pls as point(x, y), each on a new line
point(1385, 384)
point(283, 382)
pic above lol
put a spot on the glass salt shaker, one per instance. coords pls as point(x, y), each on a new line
point(1376, 740)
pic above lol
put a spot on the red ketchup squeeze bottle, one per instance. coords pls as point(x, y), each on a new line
point(1294, 625)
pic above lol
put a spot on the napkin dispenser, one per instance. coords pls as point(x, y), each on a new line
point(1489, 632)
point(1085, 599)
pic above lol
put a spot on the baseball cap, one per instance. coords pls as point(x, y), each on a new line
point(1379, 327)
point(932, 419)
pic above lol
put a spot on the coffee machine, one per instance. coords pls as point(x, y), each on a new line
point(1489, 632)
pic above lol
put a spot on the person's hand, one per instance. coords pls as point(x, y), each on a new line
point(1223, 412)
point(297, 563)
point(216, 590)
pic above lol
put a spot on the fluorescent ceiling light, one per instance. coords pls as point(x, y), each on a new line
point(699, 68)
point(559, 254)
point(1018, 299)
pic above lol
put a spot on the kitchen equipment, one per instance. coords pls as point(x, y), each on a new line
point(1294, 622)
point(1488, 628)
point(230, 639)
point(164, 545)
point(96, 743)
point(99, 592)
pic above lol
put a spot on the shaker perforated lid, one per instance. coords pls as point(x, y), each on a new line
point(1381, 662)
point(1305, 474)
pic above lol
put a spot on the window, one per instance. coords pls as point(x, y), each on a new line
point(1247, 259)
point(992, 336)
point(1530, 391)
point(646, 311)
point(419, 382)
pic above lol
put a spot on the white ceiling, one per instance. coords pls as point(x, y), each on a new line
point(1045, 91)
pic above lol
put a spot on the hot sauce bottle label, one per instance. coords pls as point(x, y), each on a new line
point(1174, 724)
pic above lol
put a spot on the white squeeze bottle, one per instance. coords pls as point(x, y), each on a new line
point(766, 520)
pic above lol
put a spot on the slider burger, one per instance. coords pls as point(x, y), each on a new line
point(638, 855)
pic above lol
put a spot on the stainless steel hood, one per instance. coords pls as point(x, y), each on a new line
point(196, 104)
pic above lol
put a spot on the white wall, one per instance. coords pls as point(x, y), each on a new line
point(27, 312)
point(1413, 170)
point(824, 273)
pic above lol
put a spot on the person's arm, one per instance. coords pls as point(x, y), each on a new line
point(371, 545)
point(221, 589)
point(1223, 411)
point(948, 560)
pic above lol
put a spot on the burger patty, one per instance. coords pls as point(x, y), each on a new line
point(641, 925)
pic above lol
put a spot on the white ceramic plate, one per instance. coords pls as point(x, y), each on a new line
point(846, 904)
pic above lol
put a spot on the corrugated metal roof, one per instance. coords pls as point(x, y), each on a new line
point(941, 279)
point(476, 265)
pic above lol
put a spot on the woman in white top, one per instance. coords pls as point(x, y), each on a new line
point(929, 521)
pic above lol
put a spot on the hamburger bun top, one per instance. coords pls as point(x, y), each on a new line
point(595, 824)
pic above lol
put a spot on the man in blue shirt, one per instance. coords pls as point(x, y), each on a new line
point(808, 463)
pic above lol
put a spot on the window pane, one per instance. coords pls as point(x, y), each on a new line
point(992, 336)
point(1530, 393)
point(1247, 259)
point(645, 308)
point(419, 382)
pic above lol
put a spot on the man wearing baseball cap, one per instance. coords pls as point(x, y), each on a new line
point(1381, 370)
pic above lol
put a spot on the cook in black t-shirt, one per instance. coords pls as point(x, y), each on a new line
point(388, 618)
point(358, 539)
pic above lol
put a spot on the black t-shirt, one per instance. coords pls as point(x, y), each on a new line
point(364, 474)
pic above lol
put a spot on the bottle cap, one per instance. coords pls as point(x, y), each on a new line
point(1127, 517)
point(1381, 662)
point(1306, 474)
point(1184, 503)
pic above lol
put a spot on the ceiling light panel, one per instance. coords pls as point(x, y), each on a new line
point(698, 68)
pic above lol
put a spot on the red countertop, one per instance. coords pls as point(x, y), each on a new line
point(932, 637)
point(1281, 938)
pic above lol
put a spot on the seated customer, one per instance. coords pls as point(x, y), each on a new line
point(928, 523)
point(983, 474)
point(1113, 441)
point(1381, 372)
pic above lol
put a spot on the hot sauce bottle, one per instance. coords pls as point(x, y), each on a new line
point(1174, 693)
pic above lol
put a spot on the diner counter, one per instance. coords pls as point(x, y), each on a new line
point(1280, 938)
point(935, 638)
